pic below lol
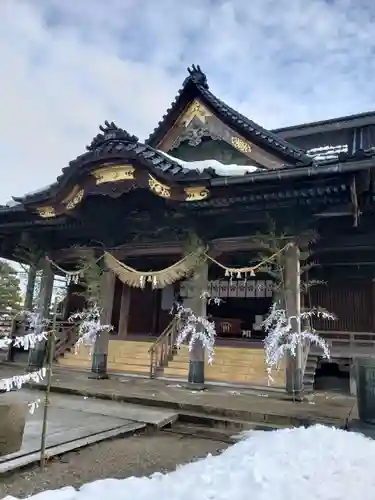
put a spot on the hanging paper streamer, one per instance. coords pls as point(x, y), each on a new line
point(18, 381)
point(245, 272)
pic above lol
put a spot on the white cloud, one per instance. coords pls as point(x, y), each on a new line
point(68, 66)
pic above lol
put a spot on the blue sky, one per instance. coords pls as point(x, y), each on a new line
point(69, 65)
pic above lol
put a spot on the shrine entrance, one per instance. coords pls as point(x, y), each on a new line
point(243, 306)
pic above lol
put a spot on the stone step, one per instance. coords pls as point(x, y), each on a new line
point(219, 422)
point(237, 423)
point(225, 434)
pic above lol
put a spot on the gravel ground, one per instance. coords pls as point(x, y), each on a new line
point(139, 455)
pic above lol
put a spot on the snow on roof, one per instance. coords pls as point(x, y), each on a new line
point(317, 463)
point(327, 152)
point(200, 165)
point(220, 168)
point(11, 203)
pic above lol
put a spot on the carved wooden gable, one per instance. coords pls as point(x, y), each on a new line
point(197, 124)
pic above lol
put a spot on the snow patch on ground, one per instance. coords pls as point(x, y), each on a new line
point(318, 463)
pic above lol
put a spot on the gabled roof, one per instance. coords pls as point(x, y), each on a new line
point(112, 144)
point(196, 86)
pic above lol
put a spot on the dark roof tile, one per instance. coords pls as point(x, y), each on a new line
point(113, 142)
point(196, 86)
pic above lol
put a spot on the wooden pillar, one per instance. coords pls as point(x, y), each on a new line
point(30, 287)
point(353, 377)
point(195, 287)
point(100, 355)
point(37, 354)
point(124, 311)
point(294, 382)
point(44, 305)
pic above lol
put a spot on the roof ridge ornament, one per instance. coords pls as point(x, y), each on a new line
point(197, 76)
point(110, 132)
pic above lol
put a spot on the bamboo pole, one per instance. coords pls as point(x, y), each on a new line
point(51, 348)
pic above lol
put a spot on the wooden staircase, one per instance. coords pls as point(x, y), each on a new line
point(124, 356)
point(164, 349)
point(67, 335)
point(238, 365)
point(310, 370)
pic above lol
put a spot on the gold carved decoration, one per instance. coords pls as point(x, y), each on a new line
point(196, 109)
point(46, 212)
point(240, 144)
point(158, 188)
point(196, 193)
point(77, 198)
point(73, 198)
point(113, 173)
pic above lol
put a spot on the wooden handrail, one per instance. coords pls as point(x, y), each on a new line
point(162, 335)
point(66, 338)
point(326, 333)
point(162, 349)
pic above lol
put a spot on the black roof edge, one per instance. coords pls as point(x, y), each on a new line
point(18, 207)
point(355, 120)
point(328, 168)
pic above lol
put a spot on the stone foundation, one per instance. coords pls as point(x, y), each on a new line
point(12, 425)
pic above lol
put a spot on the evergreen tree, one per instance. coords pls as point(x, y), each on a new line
point(10, 289)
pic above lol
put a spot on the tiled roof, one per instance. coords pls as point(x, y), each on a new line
point(356, 120)
point(196, 86)
point(117, 144)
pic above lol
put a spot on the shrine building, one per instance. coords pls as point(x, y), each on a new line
point(211, 175)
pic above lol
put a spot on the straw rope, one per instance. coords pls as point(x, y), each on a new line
point(163, 277)
point(158, 279)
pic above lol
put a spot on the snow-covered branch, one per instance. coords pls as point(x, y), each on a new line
point(89, 326)
point(195, 328)
point(281, 337)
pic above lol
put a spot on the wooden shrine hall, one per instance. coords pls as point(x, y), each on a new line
point(242, 191)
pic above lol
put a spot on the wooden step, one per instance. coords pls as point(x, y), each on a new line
point(129, 368)
point(238, 365)
point(172, 372)
point(80, 364)
point(123, 356)
point(310, 370)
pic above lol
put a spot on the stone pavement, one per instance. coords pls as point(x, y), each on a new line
point(217, 401)
point(75, 421)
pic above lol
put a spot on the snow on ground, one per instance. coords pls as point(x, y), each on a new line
point(319, 463)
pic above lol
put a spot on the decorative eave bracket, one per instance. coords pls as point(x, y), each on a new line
point(131, 177)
